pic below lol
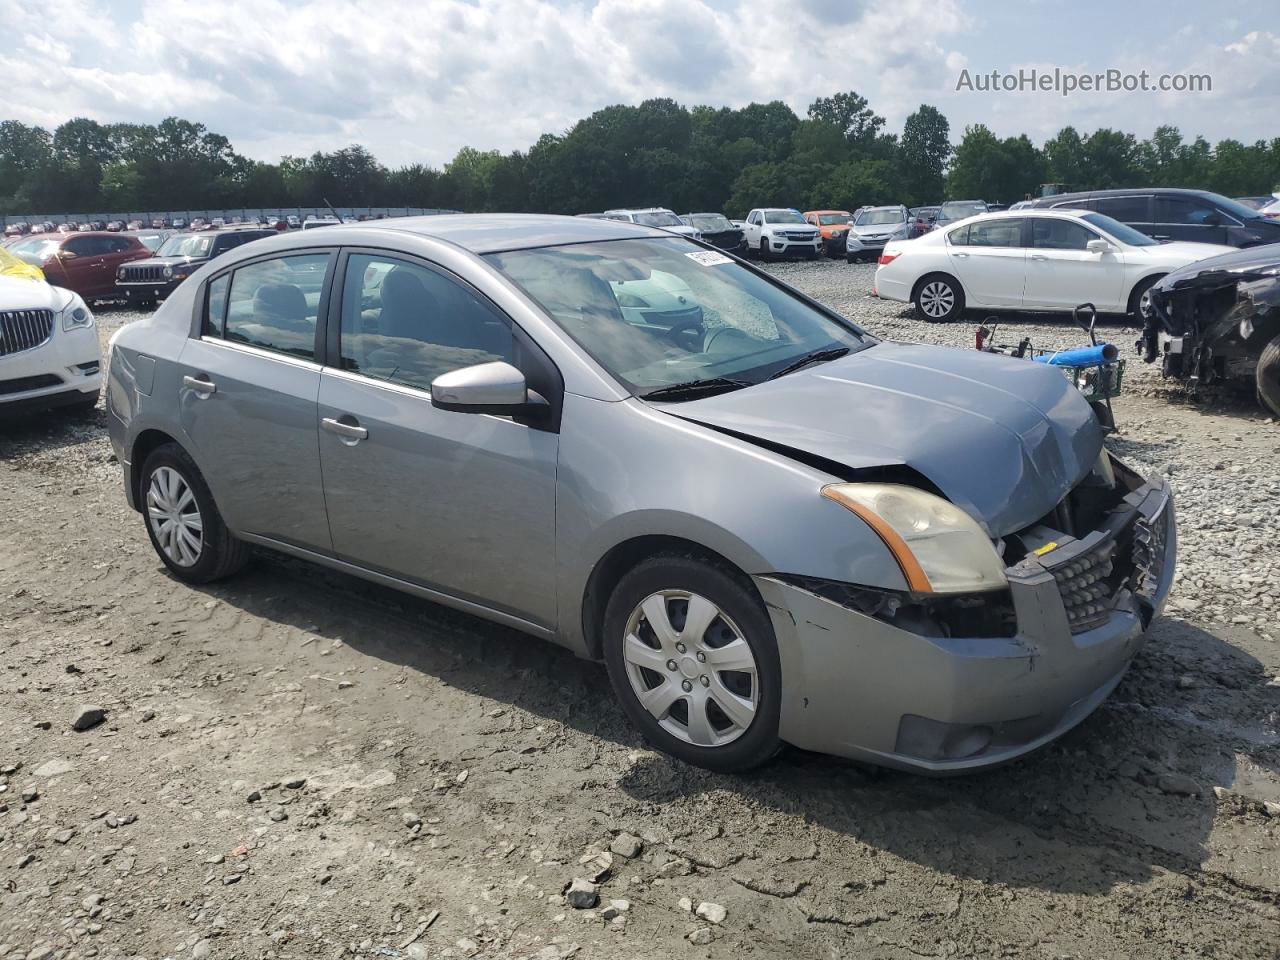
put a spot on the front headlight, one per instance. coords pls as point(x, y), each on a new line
point(168, 273)
point(76, 316)
point(939, 547)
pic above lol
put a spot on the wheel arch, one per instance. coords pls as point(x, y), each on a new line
point(622, 557)
point(144, 444)
point(1150, 279)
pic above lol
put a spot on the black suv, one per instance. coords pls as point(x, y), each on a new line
point(1172, 214)
point(143, 282)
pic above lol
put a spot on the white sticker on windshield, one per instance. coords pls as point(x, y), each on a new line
point(708, 258)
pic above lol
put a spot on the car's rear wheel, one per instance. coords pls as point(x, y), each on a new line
point(183, 522)
point(1268, 377)
point(692, 656)
point(938, 299)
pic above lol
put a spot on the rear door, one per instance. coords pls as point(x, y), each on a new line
point(120, 250)
point(247, 397)
point(462, 503)
point(1063, 273)
point(1134, 210)
point(990, 261)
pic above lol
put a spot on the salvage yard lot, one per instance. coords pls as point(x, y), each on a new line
point(317, 767)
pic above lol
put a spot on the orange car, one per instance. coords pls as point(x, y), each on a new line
point(833, 225)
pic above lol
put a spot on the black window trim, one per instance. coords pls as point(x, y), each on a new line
point(545, 377)
point(196, 331)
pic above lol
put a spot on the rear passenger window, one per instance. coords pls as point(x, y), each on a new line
point(996, 233)
point(273, 304)
point(959, 237)
point(1125, 209)
point(1184, 211)
point(215, 306)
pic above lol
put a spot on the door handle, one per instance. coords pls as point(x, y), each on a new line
point(200, 385)
point(348, 431)
point(960, 255)
point(1038, 256)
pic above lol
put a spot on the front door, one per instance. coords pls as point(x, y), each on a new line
point(463, 503)
point(247, 396)
point(990, 261)
point(1190, 218)
point(81, 259)
point(1062, 272)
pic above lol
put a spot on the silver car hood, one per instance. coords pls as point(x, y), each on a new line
point(1003, 439)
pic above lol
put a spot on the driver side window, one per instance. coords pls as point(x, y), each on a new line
point(407, 324)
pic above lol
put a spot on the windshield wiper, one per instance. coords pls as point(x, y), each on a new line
point(818, 356)
point(695, 388)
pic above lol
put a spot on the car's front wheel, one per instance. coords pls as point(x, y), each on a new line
point(938, 299)
point(692, 656)
point(183, 522)
point(764, 249)
point(1268, 377)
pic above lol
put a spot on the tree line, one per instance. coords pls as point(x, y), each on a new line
point(659, 153)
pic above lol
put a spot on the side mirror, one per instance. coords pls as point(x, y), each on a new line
point(1098, 246)
point(497, 388)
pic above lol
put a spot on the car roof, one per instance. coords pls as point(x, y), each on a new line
point(1124, 192)
point(843, 213)
point(482, 233)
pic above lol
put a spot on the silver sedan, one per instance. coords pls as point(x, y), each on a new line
point(771, 527)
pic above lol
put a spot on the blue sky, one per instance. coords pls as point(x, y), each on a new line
point(414, 80)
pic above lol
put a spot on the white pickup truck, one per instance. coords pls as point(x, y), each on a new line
point(780, 232)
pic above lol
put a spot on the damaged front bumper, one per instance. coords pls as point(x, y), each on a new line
point(857, 686)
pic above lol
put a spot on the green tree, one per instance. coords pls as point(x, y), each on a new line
point(851, 113)
point(925, 148)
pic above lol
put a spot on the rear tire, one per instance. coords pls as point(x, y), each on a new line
point(1268, 377)
point(681, 714)
point(183, 522)
point(938, 298)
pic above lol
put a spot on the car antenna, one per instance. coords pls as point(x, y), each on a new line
point(331, 210)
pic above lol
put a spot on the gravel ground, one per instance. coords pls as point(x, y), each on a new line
point(298, 764)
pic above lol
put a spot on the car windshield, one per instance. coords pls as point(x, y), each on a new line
point(783, 216)
point(660, 312)
point(873, 217)
point(1233, 207)
point(36, 248)
point(1122, 232)
point(659, 220)
point(710, 222)
point(959, 209)
point(151, 241)
point(831, 219)
point(185, 246)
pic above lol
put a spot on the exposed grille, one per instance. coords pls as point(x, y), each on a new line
point(23, 384)
point(1148, 553)
point(800, 236)
point(143, 275)
point(24, 330)
point(1087, 586)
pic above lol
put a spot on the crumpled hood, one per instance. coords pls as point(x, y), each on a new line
point(1004, 439)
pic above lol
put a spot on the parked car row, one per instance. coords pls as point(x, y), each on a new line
point(141, 266)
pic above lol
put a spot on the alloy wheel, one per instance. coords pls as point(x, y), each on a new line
point(937, 299)
point(174, 516)
point(691, 668)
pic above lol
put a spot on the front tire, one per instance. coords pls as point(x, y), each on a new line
point(763, 251)
point(183, 522)
point(1136, 297)
point(1268, 377)
point(938, 298)
point(692, 656)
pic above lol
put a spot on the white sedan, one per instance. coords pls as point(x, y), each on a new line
point(1040, 260)
point(49, 354)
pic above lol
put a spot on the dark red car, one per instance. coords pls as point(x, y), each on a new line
point(83, 262)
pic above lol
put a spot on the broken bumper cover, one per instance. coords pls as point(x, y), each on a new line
point(858, 687)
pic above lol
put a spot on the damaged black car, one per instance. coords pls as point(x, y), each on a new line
point(1218, 321)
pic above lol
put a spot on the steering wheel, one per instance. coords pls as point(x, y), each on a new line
point(686, 333)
